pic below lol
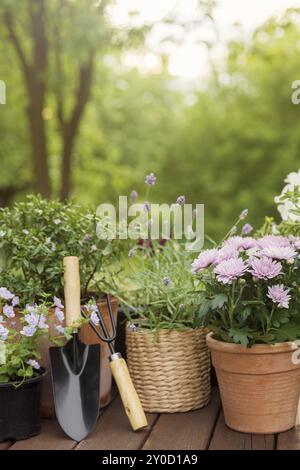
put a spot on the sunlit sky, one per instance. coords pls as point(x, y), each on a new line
point(189, 59)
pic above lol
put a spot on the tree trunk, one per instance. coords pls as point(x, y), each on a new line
point(70, 127)
point(39, 145)
point(34, 71)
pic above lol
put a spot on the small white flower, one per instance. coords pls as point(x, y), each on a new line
point(57, 221)
point(25, 231)
point(2, 233)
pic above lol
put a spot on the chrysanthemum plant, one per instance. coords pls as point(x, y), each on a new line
point(250, 288)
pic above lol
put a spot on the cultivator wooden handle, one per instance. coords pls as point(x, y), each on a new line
point(72, 289)
point(129, 396)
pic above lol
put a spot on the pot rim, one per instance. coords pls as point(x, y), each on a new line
point(26, 381)
point(165, 330)
point(232, 348)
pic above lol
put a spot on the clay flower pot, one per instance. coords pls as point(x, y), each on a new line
point(259, 386)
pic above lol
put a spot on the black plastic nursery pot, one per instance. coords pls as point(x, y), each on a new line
point(20, 409)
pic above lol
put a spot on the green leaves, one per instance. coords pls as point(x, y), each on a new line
point(240, 336)
point(218, 301)
point(38, 233)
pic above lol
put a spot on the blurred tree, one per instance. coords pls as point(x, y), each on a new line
point(57, 43)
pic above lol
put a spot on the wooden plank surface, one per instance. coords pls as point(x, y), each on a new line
point(5, 445)
point(290, 440)
point(225, 438)
point(50, 438)
point(113, 431)
point(185, 431)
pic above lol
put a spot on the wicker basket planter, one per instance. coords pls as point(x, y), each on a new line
point(170, 370)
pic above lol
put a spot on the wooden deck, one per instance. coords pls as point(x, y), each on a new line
point(196, 430)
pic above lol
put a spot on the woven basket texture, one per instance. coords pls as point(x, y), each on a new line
point(170, 369)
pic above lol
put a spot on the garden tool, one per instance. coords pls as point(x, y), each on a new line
point(75, 366)
point(119, 369)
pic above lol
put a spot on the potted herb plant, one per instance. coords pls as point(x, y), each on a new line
point(35, 236)
point(166, 350)
point(21, 374)
point(251, 305)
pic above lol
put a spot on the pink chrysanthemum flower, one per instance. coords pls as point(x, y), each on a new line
point(265, 268)
point(273, 240)
point(205, 259)
point(279, 252)
point(230, 269)
point(240, 243)
point(227, 252)
point(279, 295)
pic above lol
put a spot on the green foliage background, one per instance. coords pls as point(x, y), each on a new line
point(229, 149)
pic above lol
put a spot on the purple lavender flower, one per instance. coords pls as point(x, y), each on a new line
point(272, 240)
point(28, 330)
point(205, 259)
point(8, 311)
point(13, 323)
point(3, 333)
point(246, 229)
point(279, 295)
point(147, 206)
point(60, 329)
point(132, 327)
point(5, 293)
point(265, 268)
point(243, 214)
point(131, 252)
point(94, 318)
point(87, 238)
point(15, 301)
point(279, 252)
point(133, 196)
point(57, 302)
point(150, 179)
point(180, 200)
point(59, 314)
point(33, 363)
point(167, 281)
point(230, 269)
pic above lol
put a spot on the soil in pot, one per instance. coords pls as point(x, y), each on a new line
point(20, 409)
point(259, 386)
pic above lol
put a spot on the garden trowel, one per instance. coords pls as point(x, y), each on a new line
point(75, 366)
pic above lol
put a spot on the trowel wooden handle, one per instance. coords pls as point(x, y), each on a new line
point(72, 289)
point(128, 393)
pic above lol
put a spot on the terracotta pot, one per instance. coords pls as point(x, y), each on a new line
point(89, 337)
point(259, 386)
